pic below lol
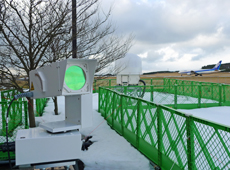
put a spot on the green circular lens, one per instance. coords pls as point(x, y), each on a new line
point(75, 78)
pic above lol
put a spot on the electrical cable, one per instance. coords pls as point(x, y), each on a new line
point(101, 123)
point(27, 94)
point(143, 91)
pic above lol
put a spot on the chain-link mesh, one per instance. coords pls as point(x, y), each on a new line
point(8, 95)
point(148, 123)
point(168, 137)
point(40, 106)
point(17, 118)
point(178, 96)
point(174, 136)
point(211, 145)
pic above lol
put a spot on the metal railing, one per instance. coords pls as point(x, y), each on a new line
point(180, 96)
point(40, 106)
point(170, 138)
point(17, 119)
point(112, 82)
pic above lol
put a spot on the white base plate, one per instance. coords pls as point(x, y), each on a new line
point(36, 146)
point(59, 126)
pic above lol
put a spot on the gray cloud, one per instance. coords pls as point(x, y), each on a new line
point(188, 31)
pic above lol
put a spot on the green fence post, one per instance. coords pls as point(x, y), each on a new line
point(138, 122)
point(151, 94)
point(169, 86)
point(182, 83)
point(190, 143)
point(107, 103)
point(220, 94)
point(224, 94)
point(122, 116)
point(159, 135)
point(99, 100)
point(199, 96)
point(151, 81)
point(109, 83)
point(125, 90)
point(212, 90)
point(20, 112)
point(113, 109)
point(14, 115)
point(192, 88)
point(175, 96)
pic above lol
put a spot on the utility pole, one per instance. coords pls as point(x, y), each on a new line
point(0, 16)
point(74, 29)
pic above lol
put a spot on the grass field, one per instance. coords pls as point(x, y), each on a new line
point(222, 77)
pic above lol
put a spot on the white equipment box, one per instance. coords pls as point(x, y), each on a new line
point(128, 79)
point(36, 146)
point(72, 78)
point(67, 77)
point(129, 70)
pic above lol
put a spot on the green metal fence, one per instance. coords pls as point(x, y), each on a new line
point(8, 95)
point(113, 82)
point(172, 139)
point(18, 117)
point(40, 106)
point(180, 96)
point(213, 91)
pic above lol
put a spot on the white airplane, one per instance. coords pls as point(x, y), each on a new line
point(215, 69)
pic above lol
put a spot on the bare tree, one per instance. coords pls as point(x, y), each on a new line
point(28, 27)
point(37, 32)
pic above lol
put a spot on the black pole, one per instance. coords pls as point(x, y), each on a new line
point(74, 29)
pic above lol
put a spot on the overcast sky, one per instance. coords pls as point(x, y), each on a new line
point(175, 34)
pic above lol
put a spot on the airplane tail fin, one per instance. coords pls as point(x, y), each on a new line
point(217, 66)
